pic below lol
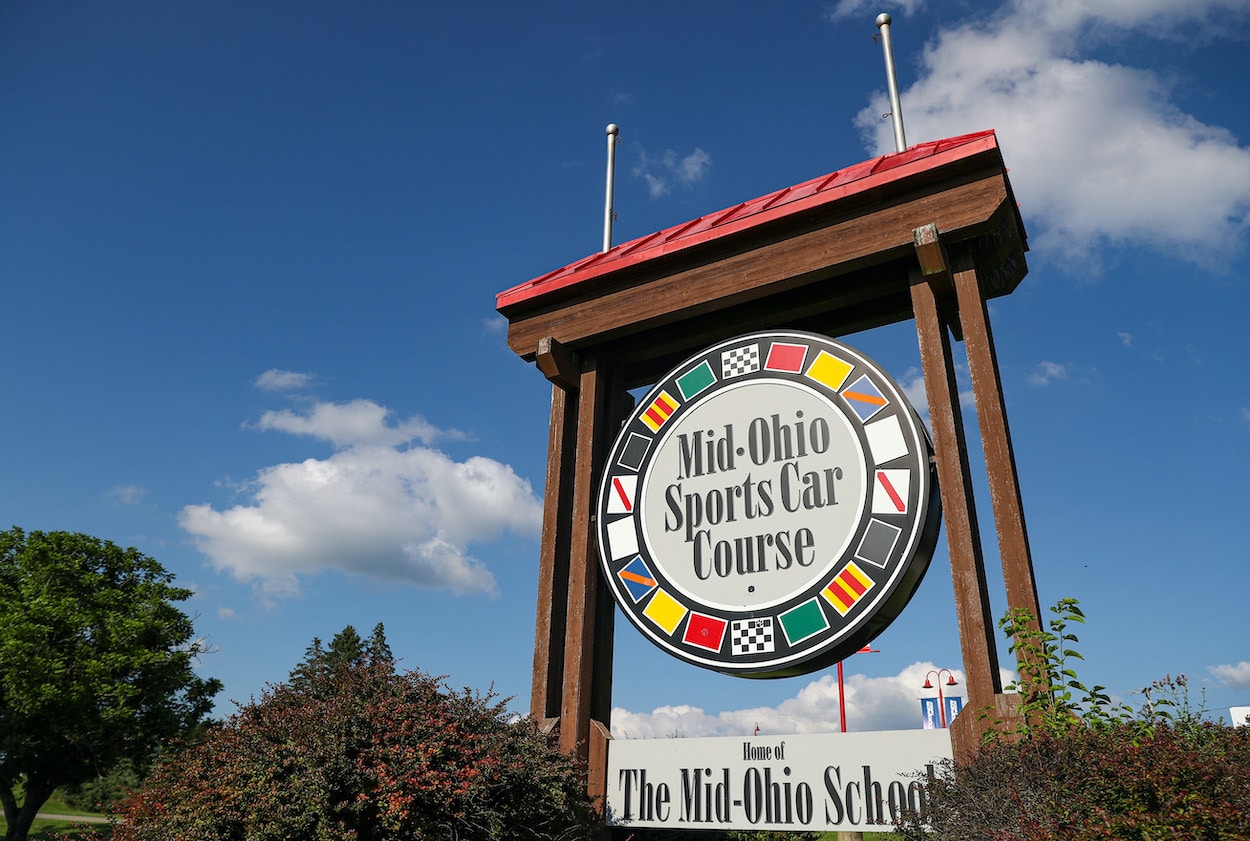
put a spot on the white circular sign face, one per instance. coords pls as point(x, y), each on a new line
point(712, 486)
point(769, 507)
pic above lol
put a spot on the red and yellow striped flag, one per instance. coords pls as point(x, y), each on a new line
point(847, 588)
point(659, 411)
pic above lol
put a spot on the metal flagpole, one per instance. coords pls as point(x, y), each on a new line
point(613, 131)
point(891, 78)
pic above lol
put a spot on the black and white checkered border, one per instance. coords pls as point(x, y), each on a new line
point(739, 361)
point(752, 636)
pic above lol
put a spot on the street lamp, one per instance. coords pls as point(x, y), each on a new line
point(950, 681)
point(867, 649)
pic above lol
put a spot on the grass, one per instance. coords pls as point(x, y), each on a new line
point(47, 830)
point(43, 830)
point(50, 830)
point(56, 805)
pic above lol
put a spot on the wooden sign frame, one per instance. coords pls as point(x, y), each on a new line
point(929, 234)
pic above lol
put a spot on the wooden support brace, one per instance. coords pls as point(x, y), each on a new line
point(558, 363)
point(597, 765)
point(930, 251)
point(935, 266)
point(1000, 459)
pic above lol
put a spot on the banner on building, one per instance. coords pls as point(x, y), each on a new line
point(930, 714)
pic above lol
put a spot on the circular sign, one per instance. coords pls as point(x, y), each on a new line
point(769, 507)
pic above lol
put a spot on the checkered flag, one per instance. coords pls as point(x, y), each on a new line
point(739, 361)
point(752, 636)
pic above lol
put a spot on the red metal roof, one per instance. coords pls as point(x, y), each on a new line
point(786, 202)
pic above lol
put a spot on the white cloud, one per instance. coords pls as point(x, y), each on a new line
point(885, 703)
point(380, 506)
point(691, 168)
point(870, 8)
point(913, 386)
point(660, 170)
point(1244, 414)
point(128, 494)
point(1157, 17)
point(912, 383)
point(1048, 372)
point(360, 422)
point(1237, 676)
point(1098, 151)
point(656, 186)
point(226, 613)
point(275, 379)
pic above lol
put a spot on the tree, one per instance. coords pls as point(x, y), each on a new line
point(361, 751)
point(346, 650)
point(376, 648)
point(96, 665)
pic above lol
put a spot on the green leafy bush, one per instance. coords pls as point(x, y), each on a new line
point(1077, 766)
point(355, 750)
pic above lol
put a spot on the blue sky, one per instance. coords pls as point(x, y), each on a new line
point(249, 254)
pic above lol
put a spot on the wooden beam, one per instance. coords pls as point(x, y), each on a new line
point(622, 306)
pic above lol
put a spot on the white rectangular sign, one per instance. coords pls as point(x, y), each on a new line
point(816, 781)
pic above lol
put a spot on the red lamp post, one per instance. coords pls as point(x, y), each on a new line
point(950, 681)
point(867, 649)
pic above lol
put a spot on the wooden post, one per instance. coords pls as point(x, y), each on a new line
point(963, 538)
point(936, 293)
point(563, 369)
point(583, 576)
point(572, 682)
point(553, 563)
